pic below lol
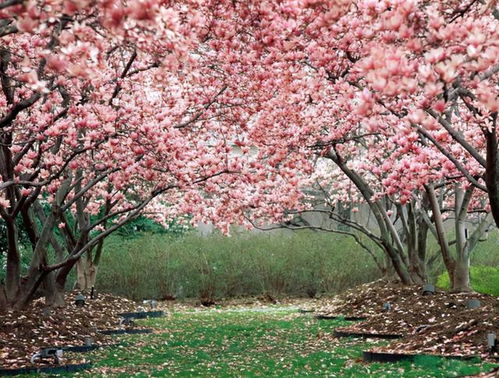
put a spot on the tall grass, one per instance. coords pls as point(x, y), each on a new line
point(486, 252)
point(275, 264)
point(156, 265)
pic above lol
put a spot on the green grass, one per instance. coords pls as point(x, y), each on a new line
point(484, 279)
point(277, 342)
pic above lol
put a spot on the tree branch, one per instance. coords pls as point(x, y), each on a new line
point(200, 113)
point(449, 156)
point(10, 3)
point(457, 137)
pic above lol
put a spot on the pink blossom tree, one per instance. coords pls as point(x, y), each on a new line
point(106, 106)
point(110, 111)
point(339, 79)
point(426, 70)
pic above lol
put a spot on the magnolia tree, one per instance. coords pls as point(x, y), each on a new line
point(412, 84)
point(434, 67)
point(113, 108)
point(110, 111)
point(461, 203)
point(397, 226)
point(409, 222)
point(425, 70)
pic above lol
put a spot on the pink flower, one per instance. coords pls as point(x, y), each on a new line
point(27, 24)
point(55, 63)
point(4, 202)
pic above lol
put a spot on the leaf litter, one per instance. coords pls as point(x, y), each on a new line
point(23, 333)
point(439, 324)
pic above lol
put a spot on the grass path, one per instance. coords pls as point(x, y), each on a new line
point(276, 342)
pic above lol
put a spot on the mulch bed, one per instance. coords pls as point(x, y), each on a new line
point(23, 333)
point(439, 324)
point(463, 335)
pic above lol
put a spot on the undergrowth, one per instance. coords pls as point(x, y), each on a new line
point(299, 264)
point(252, 264)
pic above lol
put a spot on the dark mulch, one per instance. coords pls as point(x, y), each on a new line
point(435, 324)
point(23, 333)
point(464, 334)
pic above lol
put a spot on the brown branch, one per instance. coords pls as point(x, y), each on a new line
point(117, 88)
point(7, 28)
point(6, 80)
point(457, 137)
point(200, 113)
point(449, 156)
point(10, 3)
point(489, 73)
point(17, 108)
point(133, 212)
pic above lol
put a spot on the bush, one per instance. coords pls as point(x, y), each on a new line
point(248, 264)
point(484, 279)
point(143, 225)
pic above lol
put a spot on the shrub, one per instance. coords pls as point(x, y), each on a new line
point(247, 264)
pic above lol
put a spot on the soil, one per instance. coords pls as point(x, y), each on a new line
point(440, 324)
point(23, 333)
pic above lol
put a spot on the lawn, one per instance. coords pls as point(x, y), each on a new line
point(269, 341)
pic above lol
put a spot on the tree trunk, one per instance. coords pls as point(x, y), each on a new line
point(492, 171)
point(416, 272)
point(13, 273)
point(449, 261)
point(87, 267)
point(3, 299)
point(398, 265)
point(390, 240)
point(422, 246)
point(461, 277)
point(62, 274)
point(86, 272)
point(417, 268)
point(28, 289)
point(54, 297)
